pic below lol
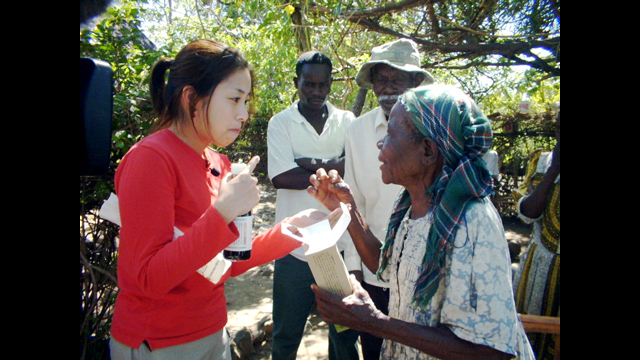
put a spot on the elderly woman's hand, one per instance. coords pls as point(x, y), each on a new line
point(355, 311)
point(329, 189)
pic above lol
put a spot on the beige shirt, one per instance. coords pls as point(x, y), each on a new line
point(374, 198)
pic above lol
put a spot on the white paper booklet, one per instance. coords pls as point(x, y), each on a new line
point(212, 271)
point(323, 256)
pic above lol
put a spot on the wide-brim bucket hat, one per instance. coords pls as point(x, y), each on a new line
point(401, 54)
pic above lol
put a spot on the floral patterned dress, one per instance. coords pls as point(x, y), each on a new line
point(474, 298)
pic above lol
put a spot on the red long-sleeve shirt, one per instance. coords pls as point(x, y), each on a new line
point(162, 183)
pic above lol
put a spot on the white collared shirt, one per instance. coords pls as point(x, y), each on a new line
point(374, 198)
point(491, 159)
point(289, 137)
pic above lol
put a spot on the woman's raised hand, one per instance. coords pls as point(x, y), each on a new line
point(239, 195)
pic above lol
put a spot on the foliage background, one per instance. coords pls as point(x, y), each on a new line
point(497, 51)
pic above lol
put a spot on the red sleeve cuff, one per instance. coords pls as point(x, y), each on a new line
point(266, 247)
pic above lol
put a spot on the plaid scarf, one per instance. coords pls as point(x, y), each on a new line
point(463, 135)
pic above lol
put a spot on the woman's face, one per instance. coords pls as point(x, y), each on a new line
point(400, 154)
point(227, 109)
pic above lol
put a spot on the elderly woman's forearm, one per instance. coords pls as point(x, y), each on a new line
point(367, 245)
point(439, 342)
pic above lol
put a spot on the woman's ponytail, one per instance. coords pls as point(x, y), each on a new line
point(157, 88)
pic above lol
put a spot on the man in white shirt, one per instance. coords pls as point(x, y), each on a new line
point(393, 68)
point(310, 134)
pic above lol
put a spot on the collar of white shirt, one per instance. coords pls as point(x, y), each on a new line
point(301, 119)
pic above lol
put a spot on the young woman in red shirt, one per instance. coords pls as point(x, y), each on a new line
point(172, 178)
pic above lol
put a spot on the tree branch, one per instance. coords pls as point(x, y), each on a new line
point(376, 11)
point(511, 47)
point(388, 8)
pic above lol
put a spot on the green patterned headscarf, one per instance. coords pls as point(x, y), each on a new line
point(463, 134)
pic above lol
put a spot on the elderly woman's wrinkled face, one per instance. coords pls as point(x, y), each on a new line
point(400, 153)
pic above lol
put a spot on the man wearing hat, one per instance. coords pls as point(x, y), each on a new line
point(393, 68)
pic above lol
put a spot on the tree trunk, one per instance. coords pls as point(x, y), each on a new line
point(356, 109)
point(299, 20)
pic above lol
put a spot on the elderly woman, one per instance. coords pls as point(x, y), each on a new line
point(445, 254)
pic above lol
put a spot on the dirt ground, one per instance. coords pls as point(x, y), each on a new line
point(249, 296)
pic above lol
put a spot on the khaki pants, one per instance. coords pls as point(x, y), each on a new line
point(212, 347)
